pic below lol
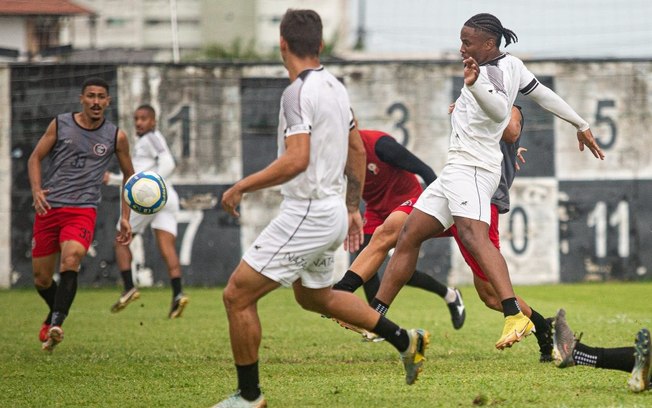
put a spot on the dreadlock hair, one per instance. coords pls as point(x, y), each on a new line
point(490, 24)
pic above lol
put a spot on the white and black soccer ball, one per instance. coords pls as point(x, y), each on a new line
point(145, 192)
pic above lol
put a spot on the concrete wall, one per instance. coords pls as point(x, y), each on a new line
point(573, 217)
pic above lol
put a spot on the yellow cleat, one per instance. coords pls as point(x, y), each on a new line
point(516, 328)
point(414, 356)
point(126, 298)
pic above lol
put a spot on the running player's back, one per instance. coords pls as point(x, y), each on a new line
point(318, 104)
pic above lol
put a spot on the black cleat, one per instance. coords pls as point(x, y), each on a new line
point(457, 310)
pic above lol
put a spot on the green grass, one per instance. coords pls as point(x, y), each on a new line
point(139, 358)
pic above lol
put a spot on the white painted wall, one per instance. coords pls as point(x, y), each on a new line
point(5, 178)
point(13, 33)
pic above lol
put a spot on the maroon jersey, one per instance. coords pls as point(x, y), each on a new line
point(385, 186)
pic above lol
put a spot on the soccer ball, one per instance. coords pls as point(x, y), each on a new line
point(145, 192)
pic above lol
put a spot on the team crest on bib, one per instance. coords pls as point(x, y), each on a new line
point(373, 168)
point(100, 149)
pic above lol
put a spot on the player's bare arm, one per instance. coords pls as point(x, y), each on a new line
point(355, 175)
point(513, 130)
point(126, 166)
point(293, 161)
point(42, 149)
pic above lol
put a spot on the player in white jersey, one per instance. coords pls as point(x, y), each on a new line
point(152, 153)
point(318, 144)
point(462, 193)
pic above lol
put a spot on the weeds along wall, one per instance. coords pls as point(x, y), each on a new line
point(573, 217)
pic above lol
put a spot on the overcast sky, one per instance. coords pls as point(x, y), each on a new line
point(546, 28)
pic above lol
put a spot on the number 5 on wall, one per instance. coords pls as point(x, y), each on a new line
point(602, 119)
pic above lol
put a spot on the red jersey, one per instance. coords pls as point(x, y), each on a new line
point(385, 186)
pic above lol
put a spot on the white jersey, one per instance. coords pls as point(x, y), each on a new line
point(152, 153)
point(317, 103)
point(475, 136)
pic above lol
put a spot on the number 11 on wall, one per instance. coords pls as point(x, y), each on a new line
point(600, 220)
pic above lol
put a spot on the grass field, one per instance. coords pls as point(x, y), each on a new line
point(139, 358)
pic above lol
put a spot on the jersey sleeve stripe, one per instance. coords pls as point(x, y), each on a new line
point(530, 87)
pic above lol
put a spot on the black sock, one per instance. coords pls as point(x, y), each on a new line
point(349, 282)
point(426, 282)
point(65, 295)
point(248, 381)
point(379, 306)
point(392, 333)
point(176, 287)
point(540, 323)
point(127, 279)
point(371, 288)
point(621, 358)
point(543, 333)
point(48, 295)
point(510, 307)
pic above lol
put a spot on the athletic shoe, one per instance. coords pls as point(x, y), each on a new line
point(178, 304)
point(367, 336)
point(642, 372)
point(370, 337)
point(126, 298)
point(236, 401)
point(43, 334)
point(54, 337)
point(563, 341)
point(545, 342)
point(414, 356)
point(347, 326)
point(458, 312)
point(516, 328)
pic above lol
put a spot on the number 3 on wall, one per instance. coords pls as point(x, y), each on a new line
point(604, 119)
point(404, 115)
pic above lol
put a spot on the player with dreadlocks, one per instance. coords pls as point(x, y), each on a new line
point(462, 193)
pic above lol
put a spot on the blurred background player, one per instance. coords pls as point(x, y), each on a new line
point(569, 351)
point(391, 181)
point(152, 153)
point(80, 147)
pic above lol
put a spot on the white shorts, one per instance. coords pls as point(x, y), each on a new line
point(165, 220)
point(461, 191)
point(300, 242)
